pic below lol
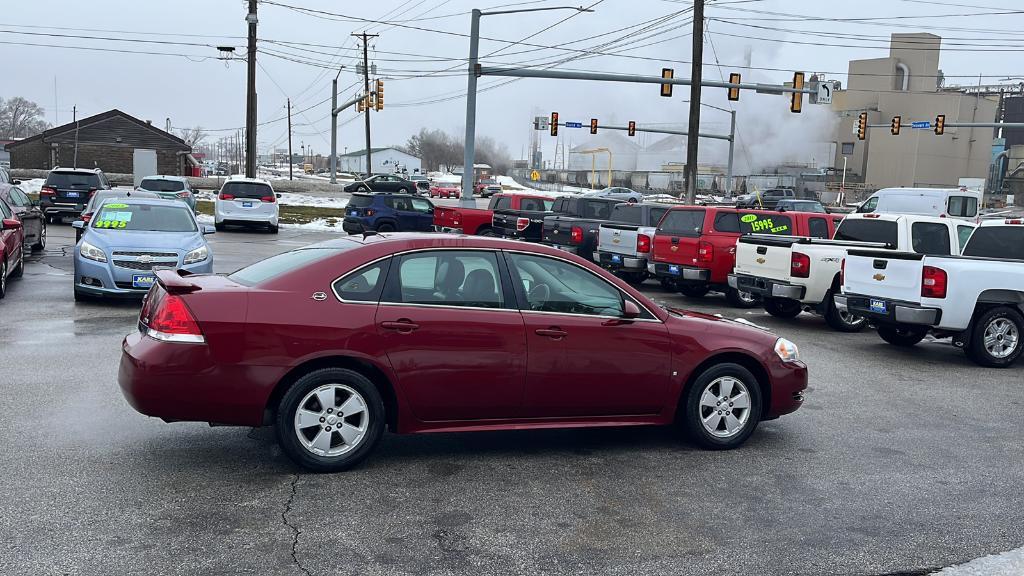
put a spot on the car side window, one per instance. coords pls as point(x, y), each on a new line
point(657, 214)
point(553, 285)
point(963, 206)
point(19, 199)
point(400, 203)
point(765, 223)
point(420, 205)
point(727, 222)
point(818, 227)
point(449, 278)
point(963, 235)
point(597, 210)
point(930, 238)
point(502, 203)
point(4, 210)
point(868, 206)
point(532, 204)
point(363, 285)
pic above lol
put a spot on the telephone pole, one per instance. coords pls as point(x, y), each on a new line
point(366, 90)
point(250, 97)
point(289, 138)
point(693, 128)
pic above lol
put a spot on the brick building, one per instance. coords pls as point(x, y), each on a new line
point(107, 141)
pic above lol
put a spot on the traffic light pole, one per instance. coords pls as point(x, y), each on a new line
point(469, 155)
point(335, 110)
point(696, 72)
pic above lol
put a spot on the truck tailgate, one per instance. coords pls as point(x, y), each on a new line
point(445, 217)
point(883, 273)
point(764, 260)
point(618, 239)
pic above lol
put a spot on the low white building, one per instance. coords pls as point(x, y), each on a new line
point(385, 161)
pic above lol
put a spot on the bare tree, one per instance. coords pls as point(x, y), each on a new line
point(21, 118)
point(194, 137)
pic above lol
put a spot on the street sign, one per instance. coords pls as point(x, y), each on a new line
point(535, 176)
point(540, 123)
point(922, 125)
point(825, 89)
point(574, 124)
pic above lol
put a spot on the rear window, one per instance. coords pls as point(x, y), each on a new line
point(247, 189)
point(360, 201)
point(997, 242)
point(766, 223)
point(683, 222)
point(864, 230)
point(930, 238)
point(73, 180)
point(815, 207)
point(162, 185)
point(657, 214)
point(596, 210)
point(282, 263)
point(727, 222)
point(144, 217)
point(818, 228)
point(963, 206)
point(628, 214)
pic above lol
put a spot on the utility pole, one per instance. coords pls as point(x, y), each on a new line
point(690, 176)
point(366, 90)
point(250, 97)
point(289, 138)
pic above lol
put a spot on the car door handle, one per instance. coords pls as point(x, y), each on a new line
point(553, 333)
point(403, 325)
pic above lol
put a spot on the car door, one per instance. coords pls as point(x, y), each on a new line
point(583, 359)
point(10, 240)
point(424, 210)
point(30, 215)
point(453, 335)
point(407, 216)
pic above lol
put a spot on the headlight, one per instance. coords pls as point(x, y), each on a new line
point(197, 255)
point(92, 253)
point(786, 350)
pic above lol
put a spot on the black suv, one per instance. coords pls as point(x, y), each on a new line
point(67, 191)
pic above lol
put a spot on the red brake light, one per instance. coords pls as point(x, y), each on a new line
point(172, 321)
point(871, 215)
point(47, 191)
point(1014, 221)
point(183, 194)
point(643, 243)
point(576, 235)
point(800, 265)
point(369, 212)
point(86, 217)
point(933, 282)
point(224, 196)
point(842, 272)
point(522, 224)
point(270, 198)
point(705, 251)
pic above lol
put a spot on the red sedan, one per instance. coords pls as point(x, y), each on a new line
point(12, 247)
point(337, 341)
point(445, 190)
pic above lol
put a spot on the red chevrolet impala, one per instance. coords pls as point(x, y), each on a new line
point(337, 341)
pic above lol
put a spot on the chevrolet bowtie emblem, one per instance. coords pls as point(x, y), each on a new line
point(144, 259)
point(879, 277)
point(760, 260)
point(616, 240)
point(674, 248)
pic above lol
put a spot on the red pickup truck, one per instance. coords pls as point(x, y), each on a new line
point(695, 246)
point(477, 221)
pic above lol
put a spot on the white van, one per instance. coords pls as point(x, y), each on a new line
point(944, 202)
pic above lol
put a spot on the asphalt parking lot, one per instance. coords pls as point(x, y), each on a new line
point(900, 462)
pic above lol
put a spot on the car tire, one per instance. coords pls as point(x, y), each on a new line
point(19, 270)
point(385, 227)
point(489, 232)
point(902, 336)
point(693, 290)
point(323, 448)
point(40, 243)
point(667, 284)
point(740, 299)
point(218, 226)
point(635, 279)
point(782, 307)
point(708, 417)
point(996, 337)
point(3, 276)
point(842, 321)
point(403, 191)
point(363, 189)
point(272, 228)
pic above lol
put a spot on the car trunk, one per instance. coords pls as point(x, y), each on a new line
point(765, 259)
point(618, 239)
point(446, 217)
point(678, 235)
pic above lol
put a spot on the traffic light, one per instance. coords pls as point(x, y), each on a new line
point(940, 124)
point(666, 89)
point(895, 128)
point(379, 103)
point(797, 104)
point(632, 128)
point(370, 101)
point(554, 123)
point(360, 105)
point(593, 125)
point(862, 126)
point(734, 93)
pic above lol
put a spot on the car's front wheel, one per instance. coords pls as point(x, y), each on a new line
point(903, 336)
point(3, 275)
point(722, 407)
point(996, 339)
point(330, 419)
point(41, 241)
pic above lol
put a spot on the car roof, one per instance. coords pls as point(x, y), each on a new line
point(911, 217)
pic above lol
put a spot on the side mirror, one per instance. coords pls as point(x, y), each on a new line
point(207, 229)
point(15, 182)
point(11, 224)
point(79, 224)
point(630, 310)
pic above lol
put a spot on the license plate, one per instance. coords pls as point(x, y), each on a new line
point(880, 306)
point(72, 194)
point(616, 259)
point(354, 213)
point(141, 281)
point(246, 204)
point(674, 270)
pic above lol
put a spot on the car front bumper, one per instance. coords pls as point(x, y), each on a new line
point(766, 287)
point(788, 389)
point(887, 311)
point(109, 281)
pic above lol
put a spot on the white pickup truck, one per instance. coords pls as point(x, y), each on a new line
point(977, 299)
point(796, 274)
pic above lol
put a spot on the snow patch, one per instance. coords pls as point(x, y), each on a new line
point(32, 186)
point(1006, 564)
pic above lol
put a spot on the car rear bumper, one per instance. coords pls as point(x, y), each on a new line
point(895, 311)
point(62, 209)
point(766, 287)
point(680, 272)
point(617, 262)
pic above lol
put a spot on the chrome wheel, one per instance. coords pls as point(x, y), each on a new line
point(331, 420)
point(1001, 337)
point(746, 297)
point(725, 407)
point(851, 319)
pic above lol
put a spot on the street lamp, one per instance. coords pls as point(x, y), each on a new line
point(469, 158)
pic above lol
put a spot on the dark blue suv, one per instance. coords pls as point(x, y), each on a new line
point(384, 212)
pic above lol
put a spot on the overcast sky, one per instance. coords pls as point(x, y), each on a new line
point(194, 88)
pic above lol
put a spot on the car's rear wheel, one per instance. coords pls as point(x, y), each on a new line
point(385, 227)
point(218, 226)
point(741, 299)
point(272, 228)
point(330, 419)
point(403, 190)
point(782, 307)
point(486, 232)
point(693, 290)
point(3, 275)
point(667, 284)
point(635, 278)
point(41, 241)
point(996, 338)
point(722, 407)
point(903, 336)
point(840, 320)
point(19, 270)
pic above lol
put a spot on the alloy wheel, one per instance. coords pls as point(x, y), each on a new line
point(331, 420)
point(725, 407)
point(1001, 337)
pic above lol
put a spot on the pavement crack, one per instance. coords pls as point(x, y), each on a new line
point(295, 529)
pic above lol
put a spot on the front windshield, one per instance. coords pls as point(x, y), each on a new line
point(144, 218)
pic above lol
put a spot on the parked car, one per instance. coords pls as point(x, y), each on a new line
point(67, 190)
point(794, 274)
point(390, 325)
point(943, 202)
point(128, 238)
point(479, 221)
point(794, 205)
point(384, 212)
point(27, 212)
point(616, 193)
point(695, 246)
point(445, 190)
point(487, 187)
point(624, 244)
point(246, 201)
point(12, 244)
point(976, 299)
point(422, 183)
point(382, 183)
point(170, 188)
point(769, 199)
point(574, 223)
point(102, 196)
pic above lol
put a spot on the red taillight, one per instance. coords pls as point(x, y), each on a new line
point(871, 215)
point(224, 196)
point(800, 265)
point(183, 194)
point(270, 198)
point(576, 235)
point(933, 282)
point(522, 224)
point(172, 321)
point(1014, 221)
point(705, 251)
point(92, 191)
point(47, 191)
point(86, 217)
point(643, 243)
point(842, 272)
point(369, 212)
